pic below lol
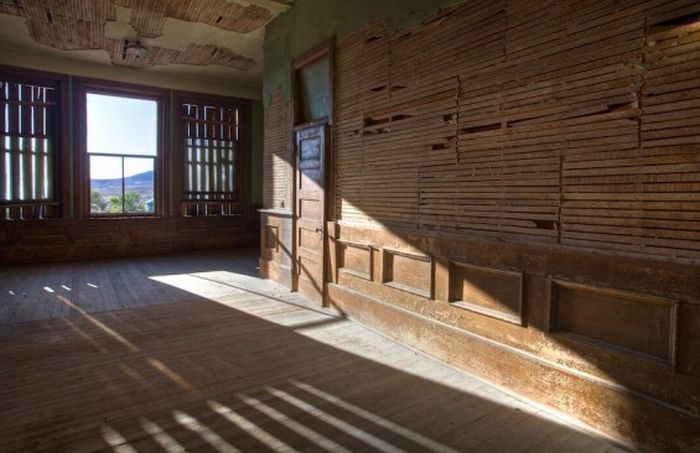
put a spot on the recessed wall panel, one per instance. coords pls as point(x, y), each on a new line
point(355, 259)
point(408, 272)
point(636, 323)
point(492, 292)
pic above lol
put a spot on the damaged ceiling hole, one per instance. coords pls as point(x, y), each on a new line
point(80, 25)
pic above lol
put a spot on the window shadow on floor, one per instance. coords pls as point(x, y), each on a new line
point(246, 373)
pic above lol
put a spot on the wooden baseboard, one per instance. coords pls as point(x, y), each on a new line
point(276, 272)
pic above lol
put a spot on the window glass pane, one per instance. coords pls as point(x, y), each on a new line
point(105, 185)
point(315, 90)
point(121, 125)
point(138, 185)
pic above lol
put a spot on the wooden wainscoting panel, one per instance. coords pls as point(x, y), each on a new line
point(621, 320)
point(355, 259)
point(270, 241)
point(308, 238)
point(408, 272)
point(271, 237)
point(492, 292)
point(77, 239)
point(310, 208)
point(276, 261)
point(309, 281)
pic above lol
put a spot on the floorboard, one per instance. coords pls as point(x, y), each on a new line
point(193, 352)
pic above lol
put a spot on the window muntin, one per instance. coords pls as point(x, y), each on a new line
point(122, 146)
point(212, 136)
point(28, 143)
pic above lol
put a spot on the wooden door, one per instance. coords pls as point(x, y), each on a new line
point(310, 210)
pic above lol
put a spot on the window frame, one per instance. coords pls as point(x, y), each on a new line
point(83, 87)
point(61, 165)
point(243, 153)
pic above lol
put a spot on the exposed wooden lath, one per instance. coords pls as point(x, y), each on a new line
point(193, 55)
point(568, 123)
point(277, 154)
point(220, 13)
point(82, 36)
point(80, 25)
point(148, 16)
point(66, 25)
point(98, 11)
point(210, 54)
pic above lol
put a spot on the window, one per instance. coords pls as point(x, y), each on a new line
point(122, 148)
point(314, 90)
point(214, 153)
point(29, 115)
point(312, 74)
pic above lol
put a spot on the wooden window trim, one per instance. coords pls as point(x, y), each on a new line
point(243, 157)
point(62, 159)
point(83, 86)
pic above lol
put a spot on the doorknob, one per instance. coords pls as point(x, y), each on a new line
point(319, 230)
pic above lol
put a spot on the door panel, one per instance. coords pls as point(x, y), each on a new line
point(310, 211)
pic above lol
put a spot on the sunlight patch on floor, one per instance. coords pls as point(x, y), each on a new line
point(225, 287)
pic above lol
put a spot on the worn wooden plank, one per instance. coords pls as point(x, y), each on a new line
point(215, 358)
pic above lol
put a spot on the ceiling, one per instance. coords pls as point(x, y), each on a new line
point(210, 38)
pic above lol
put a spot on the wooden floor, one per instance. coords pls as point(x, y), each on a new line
point(194, 353)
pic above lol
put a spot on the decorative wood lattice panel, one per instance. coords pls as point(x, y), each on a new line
point(212, 134)
point(27, 150)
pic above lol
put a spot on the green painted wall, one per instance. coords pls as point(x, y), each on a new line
point(257, 150)
point(308, 23)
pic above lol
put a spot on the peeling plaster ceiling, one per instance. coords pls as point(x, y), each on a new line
point(209, 38)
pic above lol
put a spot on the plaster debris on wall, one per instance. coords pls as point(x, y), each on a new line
point(80, 25)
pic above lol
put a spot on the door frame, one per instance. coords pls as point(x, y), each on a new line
point(326, 48)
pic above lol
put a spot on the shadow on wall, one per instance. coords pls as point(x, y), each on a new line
point(224, 369)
